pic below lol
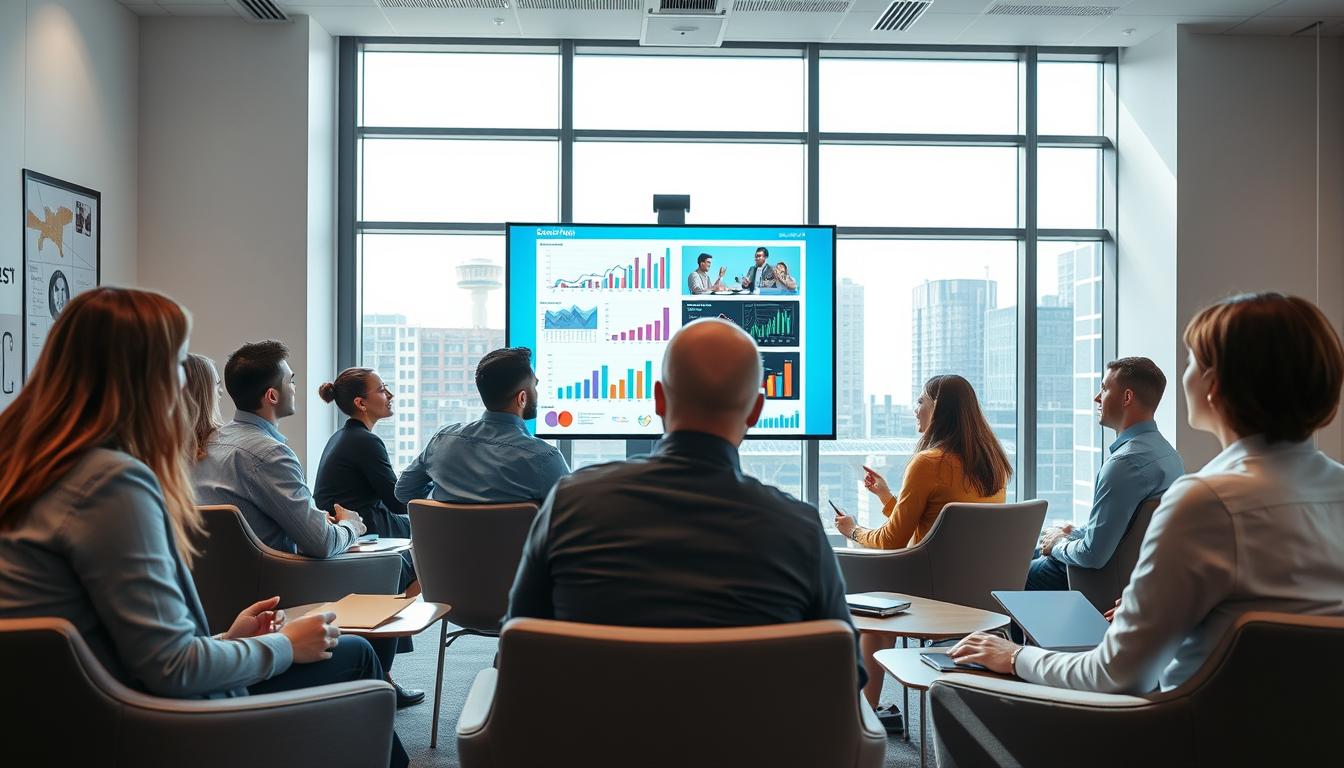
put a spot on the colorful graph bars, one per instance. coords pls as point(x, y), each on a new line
point(780, 384)
point(637, 385)
point(779, 422)
point(658, 330)
point(639, 274)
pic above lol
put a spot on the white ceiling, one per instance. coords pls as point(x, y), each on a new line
point(946, 22)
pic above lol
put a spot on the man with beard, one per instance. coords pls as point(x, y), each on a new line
point(492, 460)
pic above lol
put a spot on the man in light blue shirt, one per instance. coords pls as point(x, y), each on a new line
point(250, 465)
point(493, 460)
point(1141, 465)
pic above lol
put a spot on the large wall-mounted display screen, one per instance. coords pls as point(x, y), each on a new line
point(598, 303)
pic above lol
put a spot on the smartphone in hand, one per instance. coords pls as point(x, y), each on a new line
point(838, 510)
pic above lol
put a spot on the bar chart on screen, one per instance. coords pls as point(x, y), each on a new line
point(657, 329)
point(781, 375)
point(647, 272)
point(610, 382)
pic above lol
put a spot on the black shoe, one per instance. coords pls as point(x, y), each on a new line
point(891, 719)
point(408, 697)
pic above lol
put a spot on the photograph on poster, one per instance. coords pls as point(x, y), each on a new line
point(61, 241)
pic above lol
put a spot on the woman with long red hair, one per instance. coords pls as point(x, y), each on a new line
point(97, 516)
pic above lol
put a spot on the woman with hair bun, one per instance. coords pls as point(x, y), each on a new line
point(356, 473)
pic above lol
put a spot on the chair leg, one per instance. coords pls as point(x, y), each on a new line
point(438, 684)
point(923, 729)
point(905, 698)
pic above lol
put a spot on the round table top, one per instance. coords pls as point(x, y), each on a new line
point(911, 671)
point(930, 619)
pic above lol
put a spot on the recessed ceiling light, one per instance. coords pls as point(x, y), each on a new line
point(1127, 32)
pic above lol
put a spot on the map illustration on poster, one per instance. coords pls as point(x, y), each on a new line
point(61, 259)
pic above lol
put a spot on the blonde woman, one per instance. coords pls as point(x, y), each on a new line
point(201, 399)
point(98, 512)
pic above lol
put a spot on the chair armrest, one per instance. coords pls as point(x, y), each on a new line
point(886, 570)
point(480, 698)
point(342, 724)
point(1021, 689)
point(868, 722)
point(301, 580)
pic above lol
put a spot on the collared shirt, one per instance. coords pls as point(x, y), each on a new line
point(97, 549)
point(250, 465)
point(1142, 465)
point(1260, 528)
point(698, 282)
point(759, 277)
point(680, 538)
point(489, 461)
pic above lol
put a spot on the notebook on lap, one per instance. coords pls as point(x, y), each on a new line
point(1056, 621)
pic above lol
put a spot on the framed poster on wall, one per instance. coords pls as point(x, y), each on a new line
point(62, 234)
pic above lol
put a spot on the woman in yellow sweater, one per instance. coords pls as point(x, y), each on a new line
point(957, 459)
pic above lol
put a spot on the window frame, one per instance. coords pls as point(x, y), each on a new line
point(1028, 141)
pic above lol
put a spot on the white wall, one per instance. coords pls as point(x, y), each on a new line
point(1218, 178)
point(237, 192)
point(1247, 192)
point(1146, 138)
point(68, 108)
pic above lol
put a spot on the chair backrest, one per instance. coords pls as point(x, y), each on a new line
point(780, 695)
point(228, 571)
point(466, 555)
point(49, 669)
point(974, 549)
point(1102, 586)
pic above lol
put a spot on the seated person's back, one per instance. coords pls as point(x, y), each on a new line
point(494, 459)
point(682, 538)
point(248, 464)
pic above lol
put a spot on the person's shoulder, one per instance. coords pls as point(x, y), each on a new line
point(108, 476)
point(1192, 495)
point(930, 459)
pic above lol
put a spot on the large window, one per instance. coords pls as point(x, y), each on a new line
point(972, 191)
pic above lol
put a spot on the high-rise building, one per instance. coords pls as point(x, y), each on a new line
point(887, 419)
point(432, 373)
point(849, 360)
point(949, 330)
point(1085, 267)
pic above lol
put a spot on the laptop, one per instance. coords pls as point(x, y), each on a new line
point(1056, 621)
point(877, 606)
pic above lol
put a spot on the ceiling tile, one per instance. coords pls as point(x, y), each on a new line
point(345, 20)
point(1111, 31)
point(973, 7)
point(456, 22)
point(1028, 30)
point(1317, 8)
point(932, 28)
point(581, 25)
point(1242, 8)
point(198, 9)
point(145, 9)
point(781, 27)
point(1286, 25)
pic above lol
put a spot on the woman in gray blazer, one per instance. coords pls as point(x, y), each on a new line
point(98, 511)
point(1259, 528)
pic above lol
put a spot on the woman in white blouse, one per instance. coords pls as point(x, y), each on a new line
point(1260, 528)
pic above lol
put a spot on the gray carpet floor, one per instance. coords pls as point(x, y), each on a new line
point(470, 655)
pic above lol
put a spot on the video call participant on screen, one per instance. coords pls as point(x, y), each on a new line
point(98, 519)
point(760, 275)
point(1259, 528)
point(783, 279)
point(698, 281)
point(492, 460)
point(958, 459)
point(683, 538)
point(1141, 465)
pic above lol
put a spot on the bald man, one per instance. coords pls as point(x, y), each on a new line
point(681, 538)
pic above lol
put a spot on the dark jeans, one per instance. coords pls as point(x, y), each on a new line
point(352, 659)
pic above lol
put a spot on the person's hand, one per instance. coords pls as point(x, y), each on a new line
point(995, 653)
point(340, 513)
point(876, 484)
point(722, 271)
point(1110, 615)
point(845, 524)
point(259, 618)
point(312, 637)
point(1051, 538)
point(1066, 529)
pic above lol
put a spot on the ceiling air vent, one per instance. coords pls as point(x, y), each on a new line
point(447, 4)
point(259, 11)
point(580, 5)
point(901, 15)
point(792, 6)
point(1014, 9)
point(687, 6)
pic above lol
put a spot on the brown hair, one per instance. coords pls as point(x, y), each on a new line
point(349, 384)
point(959, 428)
point(1142, 377)
point(107, 376)
point(201, 399)
point(1278, 362)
